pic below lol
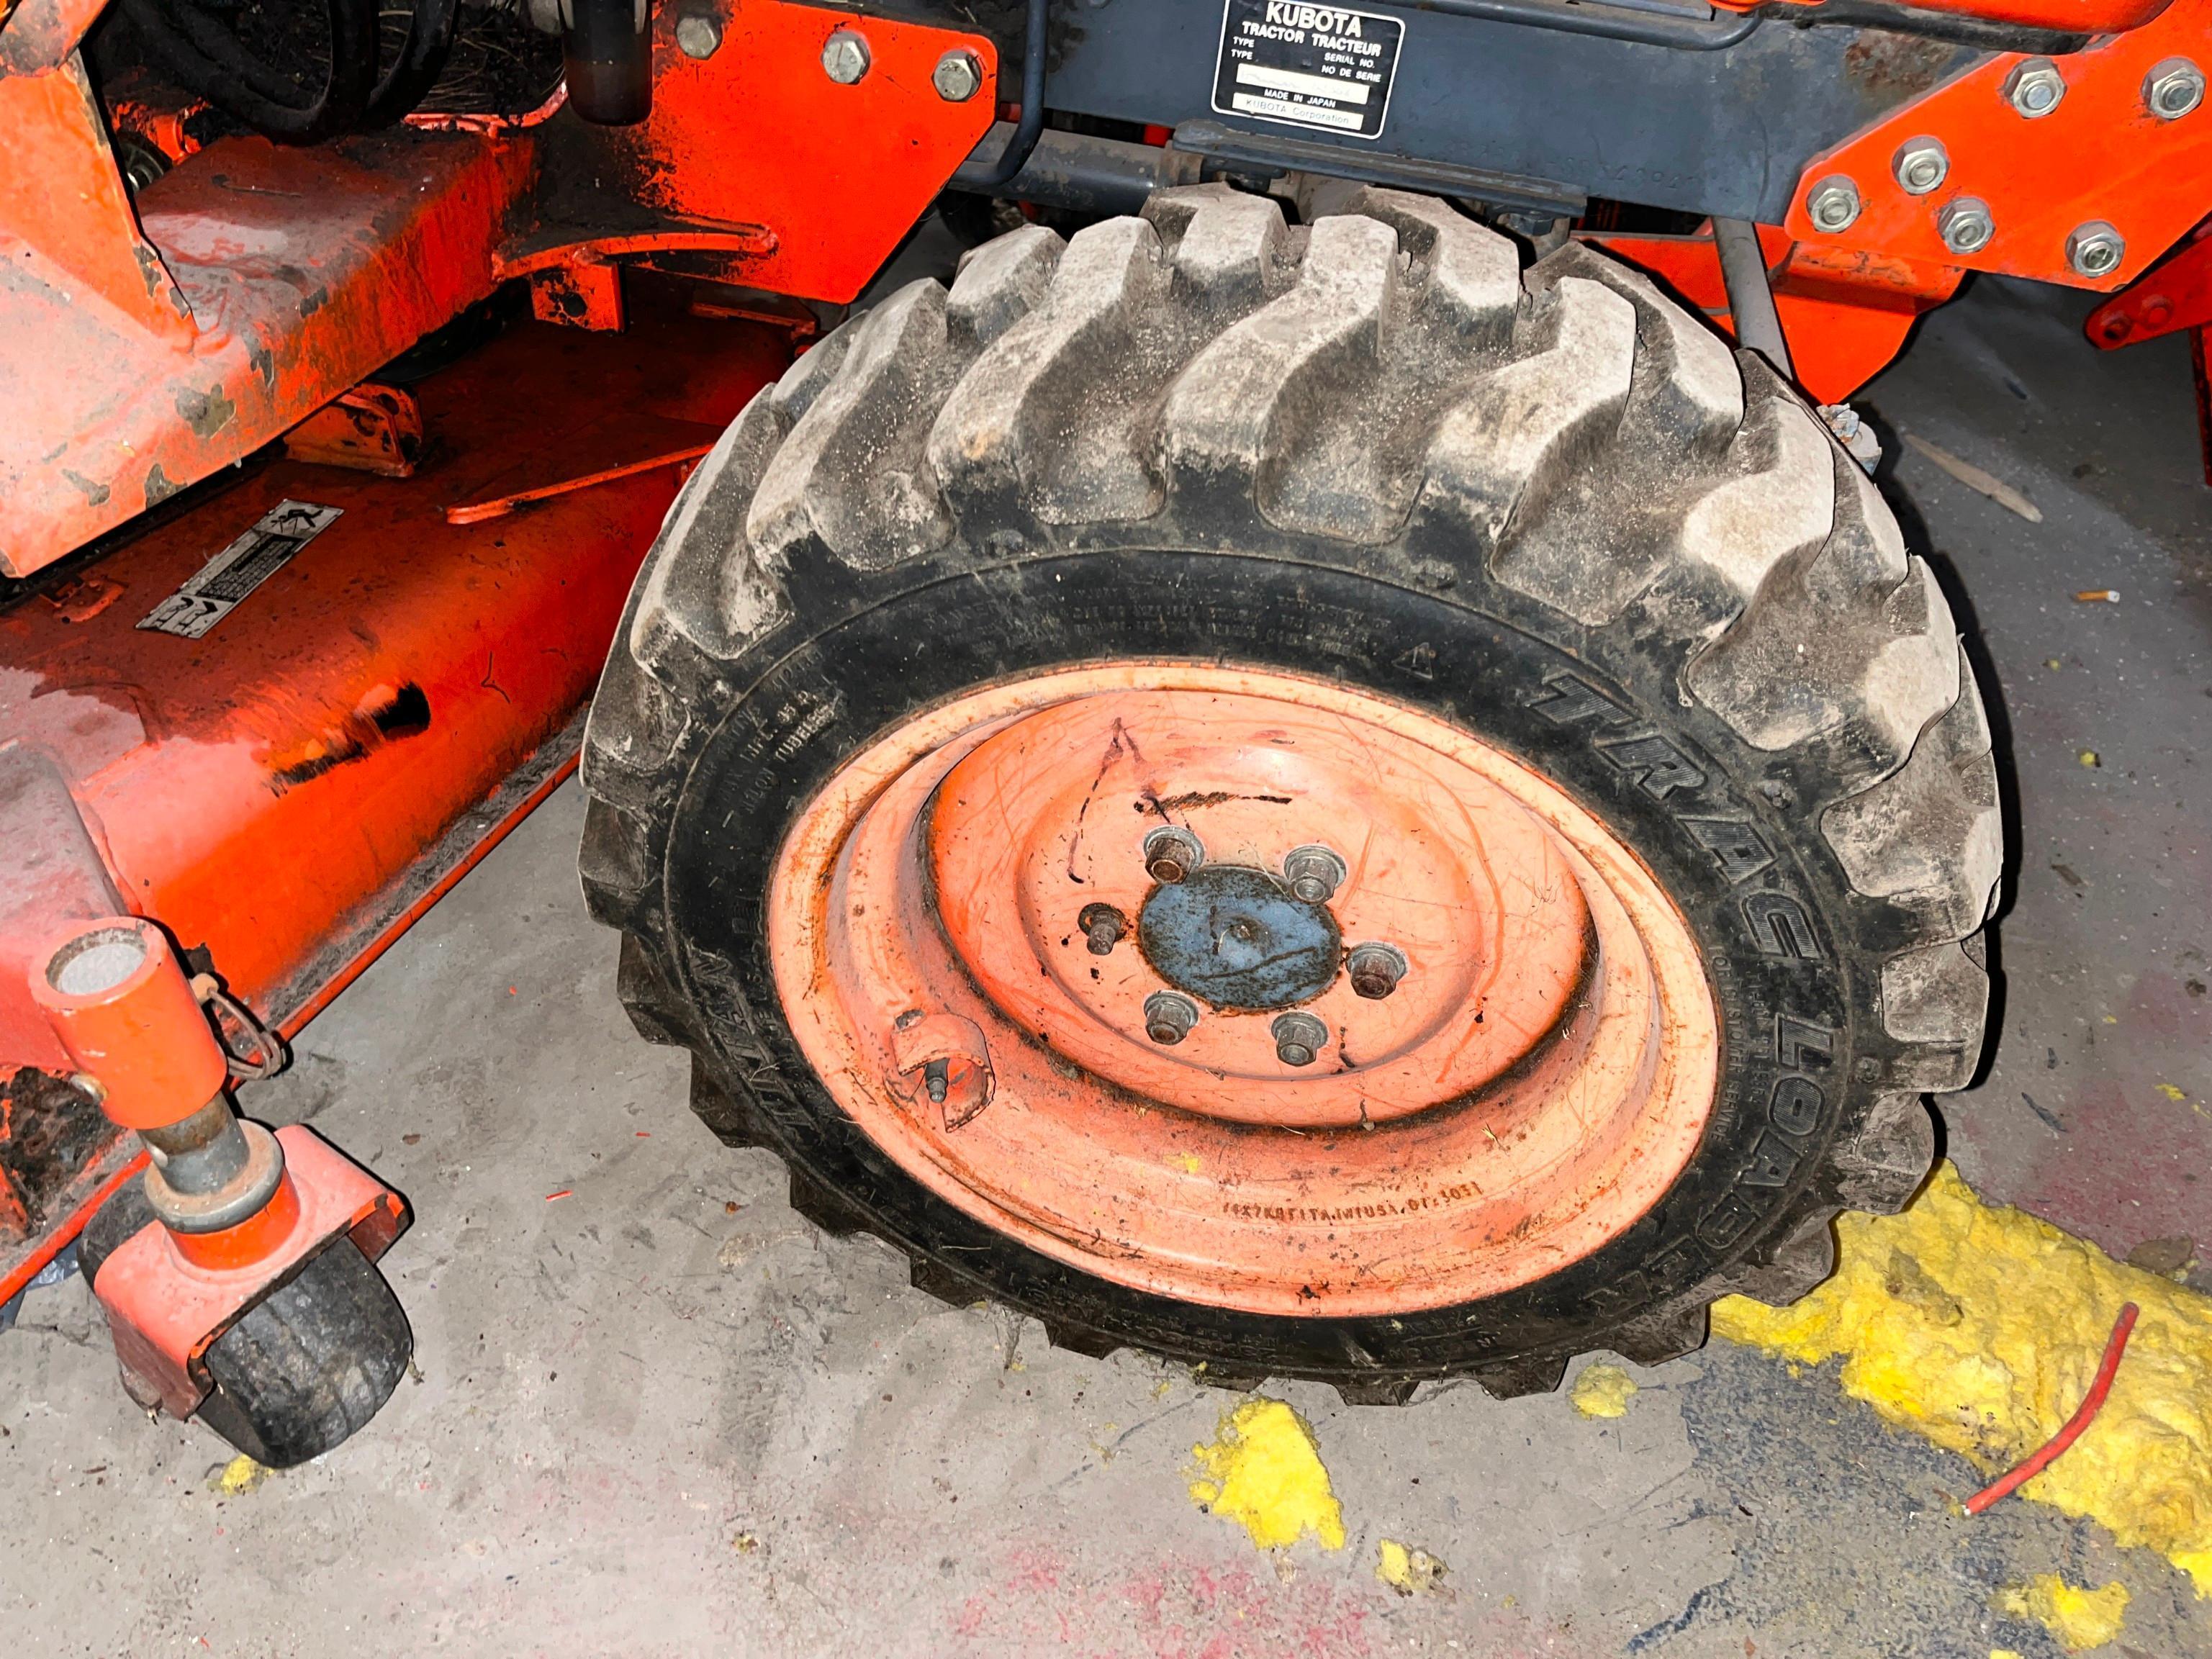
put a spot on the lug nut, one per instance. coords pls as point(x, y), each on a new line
point(1298, 1038)
point(1965, 225)
point(2174, 88)
point(2035, 87)
point(1171, 853)
point(1833, 204)
point(845, 57)
point(698, 36)
point(1314, 873)
point(958, 76)
point(1104, 926)
point(1375, 969)
point(1921, 164)
point(1169, 1018)
point(2095, 249)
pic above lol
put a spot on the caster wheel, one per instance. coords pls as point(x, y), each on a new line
point(307, 1366)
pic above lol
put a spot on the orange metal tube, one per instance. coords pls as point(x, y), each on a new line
point(254, 1239)
point(119, 1003)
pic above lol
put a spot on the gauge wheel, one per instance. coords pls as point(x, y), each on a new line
point(303, 1368)
point(1305, 799)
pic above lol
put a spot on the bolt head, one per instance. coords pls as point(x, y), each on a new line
point(1299, 1038)
point(1314, 873)
point(2095, 249)
point(2035, 87)
point(2174, 88)
point(698, 36)
point(1833, 204)
point(958, 78)
point(1921, 164)
point(1103, 926)
point(1375, 969)
point(1169, 1018)
point(1965, 225)
point(845, 57)
point(1171, 853)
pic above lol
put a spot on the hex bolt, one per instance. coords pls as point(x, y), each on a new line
point(1921, 164)
point(1298, 1038)
point(1171, 853)
point(1965, 225)
point(2173, 87)
point(1375, 969)
point(1833, 204)
point(698, 36)
point(1314, 873)
point(845, 57)
point(2035, 87)
point(2095, 249)
point(958, 78)
point(1103, 926)
point(1169, 1018)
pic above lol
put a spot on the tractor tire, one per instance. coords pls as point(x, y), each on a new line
point(1370, 488)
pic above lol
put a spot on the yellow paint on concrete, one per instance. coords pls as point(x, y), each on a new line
point(2081, 1618)
point(240, 1476)
point(1603, 1391)
point(2003, 1653)
point(1265, 1473)
point(1406, 1570)
point(1981, 1328)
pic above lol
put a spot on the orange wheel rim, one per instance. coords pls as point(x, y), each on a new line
point(1245, 989)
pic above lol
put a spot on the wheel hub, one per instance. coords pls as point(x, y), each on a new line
point(1244, 989)
point(1235, 937)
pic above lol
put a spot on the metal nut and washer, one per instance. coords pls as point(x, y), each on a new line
point(698, 36)
point(958, 78)
point(845, 57)
point(1169, 1016)
point(1299, 1038)
point(1103, 928)
point(2095, 249)
point(1965, 225)
point(1922, 166)
point(1314, 873)
point(2035, 87)
point(1171, 853)
point(1833, 204)
point(1375, 970)
point(2173, 87)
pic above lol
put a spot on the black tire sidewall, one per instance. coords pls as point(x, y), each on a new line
point(864, 653)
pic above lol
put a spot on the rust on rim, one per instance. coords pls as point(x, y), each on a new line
point(1244, 989)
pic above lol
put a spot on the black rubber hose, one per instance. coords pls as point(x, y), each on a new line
point(1016, 155)
point(422, 60)
point(208, 60)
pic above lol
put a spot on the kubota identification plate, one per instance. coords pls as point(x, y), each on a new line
point(1307, 65)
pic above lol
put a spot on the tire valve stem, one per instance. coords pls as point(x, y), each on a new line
point(937, 1078)
point(1104, 926)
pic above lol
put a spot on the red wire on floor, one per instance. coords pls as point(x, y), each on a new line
point(2092, 1403)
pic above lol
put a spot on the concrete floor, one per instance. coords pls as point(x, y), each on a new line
point(662, 1414)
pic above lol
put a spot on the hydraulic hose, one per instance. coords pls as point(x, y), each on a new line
point(1016, 156)
point(208, 59)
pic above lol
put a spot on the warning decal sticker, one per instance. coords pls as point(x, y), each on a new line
point(1312, 66)
point(214, 591)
